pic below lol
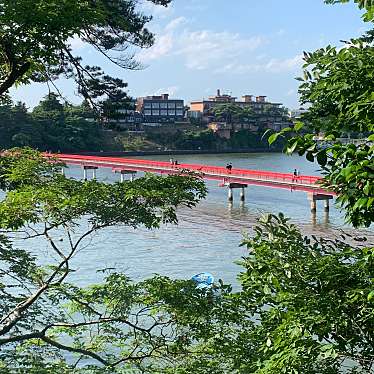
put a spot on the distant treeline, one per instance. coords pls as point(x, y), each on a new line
point(50, 126)
point(53, 126)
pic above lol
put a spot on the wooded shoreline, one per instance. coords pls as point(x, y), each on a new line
point(174, 152)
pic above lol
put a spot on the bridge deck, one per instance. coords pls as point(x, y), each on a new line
point(305, 183)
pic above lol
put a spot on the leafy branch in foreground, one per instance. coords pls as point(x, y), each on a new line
point(338, 87)
point(36, 38)
point(305, 306)
point(108, 326)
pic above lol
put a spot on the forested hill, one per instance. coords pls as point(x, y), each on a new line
point(52, 126)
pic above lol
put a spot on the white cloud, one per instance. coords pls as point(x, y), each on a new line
point(221, 52)
point(172, 90)
point(289, 64)
point(163, 45)
point(175, 23)
point(164, 42)
point(200, 50)
point(204, 49)
point(272, 66)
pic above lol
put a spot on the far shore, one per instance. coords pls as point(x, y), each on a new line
point(174, 152)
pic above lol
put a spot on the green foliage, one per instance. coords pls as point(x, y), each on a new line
point(35, 41)
point(233, 113)
point(368, 5)
point(312, 296)
point(53, 126)
point(49, 325)
point(338, 87)
point(208, 140)
point(306, 306)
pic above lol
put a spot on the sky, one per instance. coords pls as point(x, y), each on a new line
point(239, 46)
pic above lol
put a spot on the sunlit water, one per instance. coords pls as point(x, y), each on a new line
point(207, 237)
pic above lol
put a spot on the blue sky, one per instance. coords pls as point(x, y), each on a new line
point(240, 46)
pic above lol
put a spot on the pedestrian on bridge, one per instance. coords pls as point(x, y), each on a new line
point(294, 175)
point(229, 167)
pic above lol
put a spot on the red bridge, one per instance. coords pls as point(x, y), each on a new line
point(236, 178)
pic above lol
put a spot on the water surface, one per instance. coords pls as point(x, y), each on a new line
point(207, 237)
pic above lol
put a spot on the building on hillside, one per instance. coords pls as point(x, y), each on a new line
point(265, 114)
point(160, 109)
point(203, 108)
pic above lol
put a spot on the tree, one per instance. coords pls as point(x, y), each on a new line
point(338, 86)
point(50, 110)
point(227, 112)
point(367, 5)
point(43, 316)
point(35, 41)
point(306, 303)
point(306, 306)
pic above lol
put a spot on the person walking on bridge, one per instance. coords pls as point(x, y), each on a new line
point(229, 167)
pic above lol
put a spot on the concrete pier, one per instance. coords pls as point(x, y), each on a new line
point(314, 197)
point(93, 168)
point(124, 172)
point(232, 186)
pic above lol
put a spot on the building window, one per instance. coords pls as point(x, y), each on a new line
point(147, 105)
point(148, 112)
point(164, 112)
point(155, 105)
point(163, 105)
point(155, 112)
point(179, 104)
point(171, 105)
point(179, 112)
point(171, 112)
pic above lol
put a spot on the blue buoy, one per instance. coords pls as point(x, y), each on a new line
point(203, 280)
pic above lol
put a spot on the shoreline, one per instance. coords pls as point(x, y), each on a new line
point(173, 152)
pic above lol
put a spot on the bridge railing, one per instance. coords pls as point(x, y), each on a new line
point(117, 162)
point(255, 174)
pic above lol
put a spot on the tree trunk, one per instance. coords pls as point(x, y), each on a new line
point(14, 75)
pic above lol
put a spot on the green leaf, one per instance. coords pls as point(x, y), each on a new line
point(298, 126)
point(273, 138)
point(322, 158)
point(309, 156)
point(371, 295)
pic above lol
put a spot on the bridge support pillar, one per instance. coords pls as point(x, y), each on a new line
point(123, 172)
point(232, 186)
point(230, 195)
point(313, 206)
point(313, 198)
point(327, 205)
point(93, 168)
point(242, 194)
